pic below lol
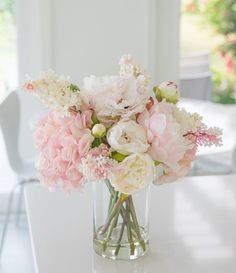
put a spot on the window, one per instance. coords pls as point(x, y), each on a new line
point(8, 48)
point(208, 39)
point(8, 80)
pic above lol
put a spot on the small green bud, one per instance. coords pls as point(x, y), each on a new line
point(169, 91)
point(99, 130)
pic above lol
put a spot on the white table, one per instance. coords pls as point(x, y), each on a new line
point(192, 230)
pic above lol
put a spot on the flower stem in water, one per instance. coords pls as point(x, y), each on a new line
point(113, 213)
point(135, 221)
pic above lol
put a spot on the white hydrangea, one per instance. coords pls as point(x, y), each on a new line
point(55, 91)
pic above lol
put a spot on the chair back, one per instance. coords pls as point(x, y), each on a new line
point(234, 159)
point(195, 77)
point(9, 124)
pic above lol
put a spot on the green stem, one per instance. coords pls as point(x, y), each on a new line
point(114, 200)
point(136, 224)
point(120, 238)
point(109, 232)
point(110, 203)
point(113, 213)
point(128, 214)
point(111, 189)
point(129, 230)
point(115, 195)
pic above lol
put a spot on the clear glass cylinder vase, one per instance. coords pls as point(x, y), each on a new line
point(121, 222)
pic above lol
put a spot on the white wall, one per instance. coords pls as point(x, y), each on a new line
point(164, 39)
point(80, 38)
point(95, 35)
point(33, 55)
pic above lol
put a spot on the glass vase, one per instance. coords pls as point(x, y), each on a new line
point(121, 222)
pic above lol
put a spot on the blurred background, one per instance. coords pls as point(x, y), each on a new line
point(213, 24)
point(192, 42)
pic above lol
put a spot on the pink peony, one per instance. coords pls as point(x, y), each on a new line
point(62, 142)
point(170, 175)
point(167, 145)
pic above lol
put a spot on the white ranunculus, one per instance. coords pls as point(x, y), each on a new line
point(133, 174)
point(127, 137)
point(116, 97)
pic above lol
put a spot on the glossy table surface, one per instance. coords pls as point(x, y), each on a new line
point(192, 230)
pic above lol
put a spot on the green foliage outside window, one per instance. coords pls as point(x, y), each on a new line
point(221, 15)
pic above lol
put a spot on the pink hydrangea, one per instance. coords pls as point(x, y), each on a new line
point(167, 145)
point(63, 142)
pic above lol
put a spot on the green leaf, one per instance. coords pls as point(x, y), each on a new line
point(94, 118)
point(156, 162)
point(96, 142)
point(157, 93)
point(74, 88)
point(118, 157)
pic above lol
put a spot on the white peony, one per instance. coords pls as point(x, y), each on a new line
point(115, 97)
point(133, 174)
point(127, 137)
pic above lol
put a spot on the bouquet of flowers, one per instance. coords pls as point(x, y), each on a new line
point(117, 130)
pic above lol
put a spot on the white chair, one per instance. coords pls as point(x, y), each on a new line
point(9, 124)
point(195, 77)
point(234, 159)
point(214, 164)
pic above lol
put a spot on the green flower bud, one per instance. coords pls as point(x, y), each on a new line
point(99, 130)
point(168, 91)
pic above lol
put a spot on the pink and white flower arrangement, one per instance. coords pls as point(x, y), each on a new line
point(118, 115)
point(122, 132)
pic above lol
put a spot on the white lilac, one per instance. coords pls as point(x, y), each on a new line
point(55, 91)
